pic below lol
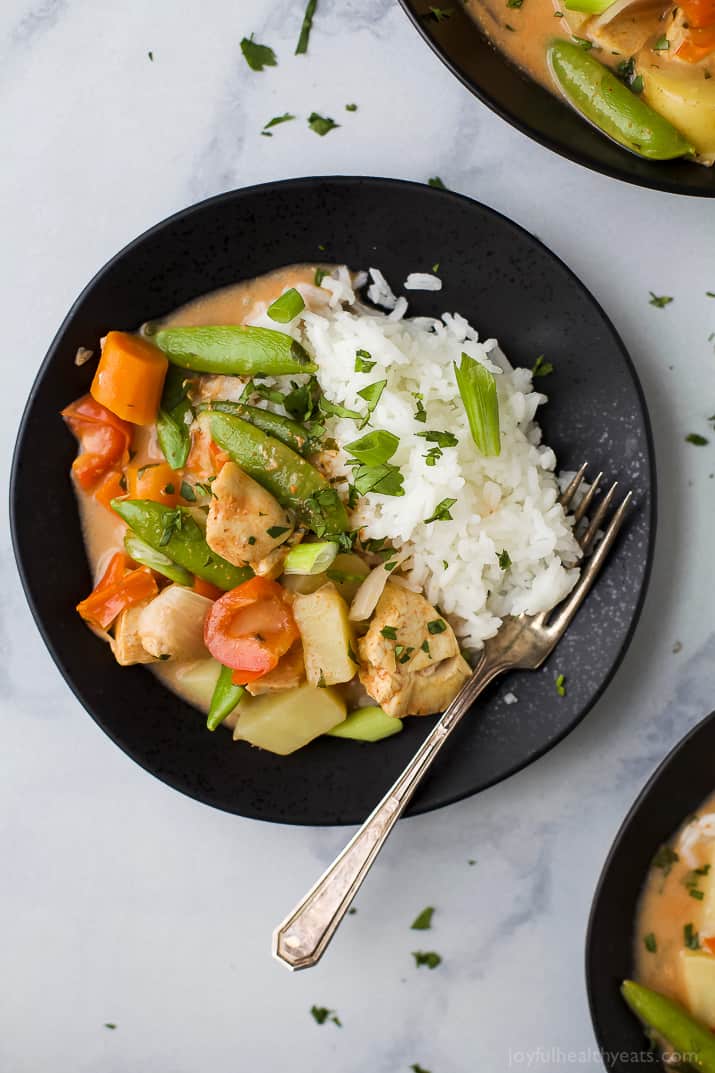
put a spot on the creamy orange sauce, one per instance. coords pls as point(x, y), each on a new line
point(102, 530)
point(666, 907)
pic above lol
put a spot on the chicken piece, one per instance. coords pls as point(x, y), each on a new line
point(245, 523)
point(171, 626)
point(289, 673)
point(406, 667)
point(625, 27)
point(126, 643)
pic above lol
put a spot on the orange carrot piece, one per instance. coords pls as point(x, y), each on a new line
point(698, 13)
point(103, 437)
point(130, 378)
point(697, 45)
point(103, 605)
point(205, 588)
point(156, 481)
point(112, 487)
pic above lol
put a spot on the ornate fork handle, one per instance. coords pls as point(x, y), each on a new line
point(302, 938)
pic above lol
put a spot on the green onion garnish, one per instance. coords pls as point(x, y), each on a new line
point(310, 558)
point(287, 307)
point(478, 388)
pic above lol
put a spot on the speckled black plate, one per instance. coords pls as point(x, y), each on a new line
point(541, 115)
point(510, 286)
point(676, 790)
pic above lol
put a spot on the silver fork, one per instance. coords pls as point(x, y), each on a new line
point(524, 641)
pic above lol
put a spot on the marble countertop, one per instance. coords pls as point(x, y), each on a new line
point(122, 902)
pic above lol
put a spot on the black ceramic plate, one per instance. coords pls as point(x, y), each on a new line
point(510, 286)
point(680, 785)
point(534, 111)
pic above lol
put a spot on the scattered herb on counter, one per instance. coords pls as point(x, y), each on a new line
point(437, 183)
point(561, 685)
point(542, 367)
point(442, 512)
point(423, 920)
point(691, 937)
point(363, 361)
point(351, 108)
point(426, 957)
point(696, 439)
point(150, 54)
point(504, 560)
point(352, 911)
point(257, 56)
point(276, 121)
point(662, 44)
point(471, 861)
point(650, 943)
point(437, 625)
point(109, 1024)
point(710, 294)
point(322, 125)
point(417, 1068)
point(302, 47)
point(321, 1014)
point(660, 301)
point(389, 632)
point(664, 859)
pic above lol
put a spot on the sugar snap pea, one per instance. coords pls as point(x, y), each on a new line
point(224, 699)
point(177, 535)
point(172, 430)
point(610, 105)
point(672, 1023)
point(233, 349)
point(293, 481)
point(285, 429)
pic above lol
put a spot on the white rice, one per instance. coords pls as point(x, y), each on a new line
point(503, 504)
point(422, 281)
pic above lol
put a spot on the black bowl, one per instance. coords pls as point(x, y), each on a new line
point(680, 785)
point(534, 111)
point(511, 287)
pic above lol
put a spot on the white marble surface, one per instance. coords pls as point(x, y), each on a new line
point(120, 900)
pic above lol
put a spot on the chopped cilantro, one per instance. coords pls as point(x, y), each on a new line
point(664, 859)
point(351, 108)
point(437, 183)
point(172, 523)
point(390, 632)
point(504, 560)
point(187, 492)
point(442, 512)
point(561, 685)
point(691, 937)
point(277, 119)
point(322, 125)
point(426, 957)
point(423, 920)
point(363, 361)
point(442, 439)
point(334, 409)
point(109, 1024)
point(321, 1014)
point(425, 648)
point(168, 490)
point(251, 540)
point(150, 54)
point(541, 367)
point(438, 625)
point(371, 394)
point(277, 530)
point(257, 56)
point(649, 941)
point(420, 413)
point(514, 3)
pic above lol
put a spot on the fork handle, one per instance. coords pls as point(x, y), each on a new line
point(300, 941)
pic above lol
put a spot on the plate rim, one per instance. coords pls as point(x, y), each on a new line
point(640, 800)
point(297, 183)
point(565, 152)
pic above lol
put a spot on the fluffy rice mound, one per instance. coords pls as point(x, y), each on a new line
point(503, 504)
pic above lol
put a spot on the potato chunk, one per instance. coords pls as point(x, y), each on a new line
point(245, 523)
point(284, 722)
point(322, 619)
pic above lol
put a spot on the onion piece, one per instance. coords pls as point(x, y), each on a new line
point(372, 588)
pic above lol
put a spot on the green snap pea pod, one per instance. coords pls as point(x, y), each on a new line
point(141, 552)
point(285, 429)
point(225, 698)
point(367, 724)
point(670, 1021)
point(177, 535)
point(611, 106)
point(234, 349)
point(293, 481)
point(172, 430)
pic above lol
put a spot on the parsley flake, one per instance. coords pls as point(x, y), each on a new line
point(322, 125)
point(321, 1014)
point(426, 957)
point(257, 56)
point(423, 920)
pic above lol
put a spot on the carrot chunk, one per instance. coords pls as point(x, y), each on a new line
point(156, 481)
point(130, 378)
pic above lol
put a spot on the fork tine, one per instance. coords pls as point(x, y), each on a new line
point(590, 571)
point(594, 525)
point(573, 486)
point(587, 499)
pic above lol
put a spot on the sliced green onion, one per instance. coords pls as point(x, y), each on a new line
point(287, 307)
point(143, 553)
point(478, 388)
point(225, 697)
point(375, 448)
point(367, 724)
point(310, 558)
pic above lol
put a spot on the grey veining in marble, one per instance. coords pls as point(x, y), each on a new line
point(122, 902)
